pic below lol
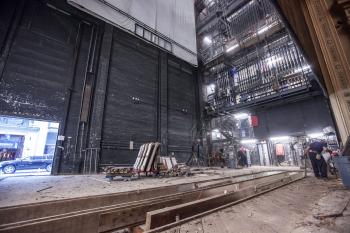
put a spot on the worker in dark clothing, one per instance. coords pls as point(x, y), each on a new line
point(318, 163)
point(242, 158)
point(221, 158)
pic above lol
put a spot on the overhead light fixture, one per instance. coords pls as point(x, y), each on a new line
point(271, 61)
point(306, 67)
point(215, 134)
point(211, 88)
point(207, 40)
point(263, 29)
point(232, 48)
point(280, 138)
point(233, 15)
point(210, 2)
point(315, 135)
point(240, 116)
point(328, 129)
point(249, 141)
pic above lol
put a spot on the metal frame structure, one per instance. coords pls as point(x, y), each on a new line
point(247, 54)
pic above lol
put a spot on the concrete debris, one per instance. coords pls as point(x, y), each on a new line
point(333, 204)
point(290, 209)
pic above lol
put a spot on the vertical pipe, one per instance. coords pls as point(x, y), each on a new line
point(61, 148)
point(99, 95)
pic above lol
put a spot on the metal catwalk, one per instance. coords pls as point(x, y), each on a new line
point(248, 55)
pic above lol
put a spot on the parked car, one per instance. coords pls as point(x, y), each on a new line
point(32, 162)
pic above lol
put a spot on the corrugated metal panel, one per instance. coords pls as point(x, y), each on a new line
point(7, 12)
point(45, 66)
point(38, 65)
point(131, 104)
point(181, 111)
point(307, 116)
point(48, 64)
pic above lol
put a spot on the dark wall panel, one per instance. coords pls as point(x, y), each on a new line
point(307, 116)
point(285, 120)
point(7, 15)
point(38, 66)
point(43, 67)
point(317, 113)
point(103, 85)
point(131, 101)
point(181, 113)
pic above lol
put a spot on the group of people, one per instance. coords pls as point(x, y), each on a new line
point(6, 155)
point(221, 159)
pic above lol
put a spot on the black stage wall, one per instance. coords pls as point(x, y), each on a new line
point(104, 86)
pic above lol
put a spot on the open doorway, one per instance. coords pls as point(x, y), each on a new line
point(27, 146)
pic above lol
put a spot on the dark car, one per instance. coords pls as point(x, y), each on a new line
point(32, 162)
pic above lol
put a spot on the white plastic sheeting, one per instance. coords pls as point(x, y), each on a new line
point(172, 20)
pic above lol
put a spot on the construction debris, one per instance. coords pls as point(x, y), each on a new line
point(332, 205)
point(149, 162)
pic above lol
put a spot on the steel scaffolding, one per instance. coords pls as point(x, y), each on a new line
point(247, 53)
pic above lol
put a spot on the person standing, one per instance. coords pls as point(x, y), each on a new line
point(318, 163)
point(242, 158)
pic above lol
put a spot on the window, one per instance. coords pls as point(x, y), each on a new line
point(153, 37)
point(51, 138)
point(161, 43)
point(49, 149)
point(168, 46)
point(50, 145)
point(139, 30)
point(147, 35)
point(53, 125)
